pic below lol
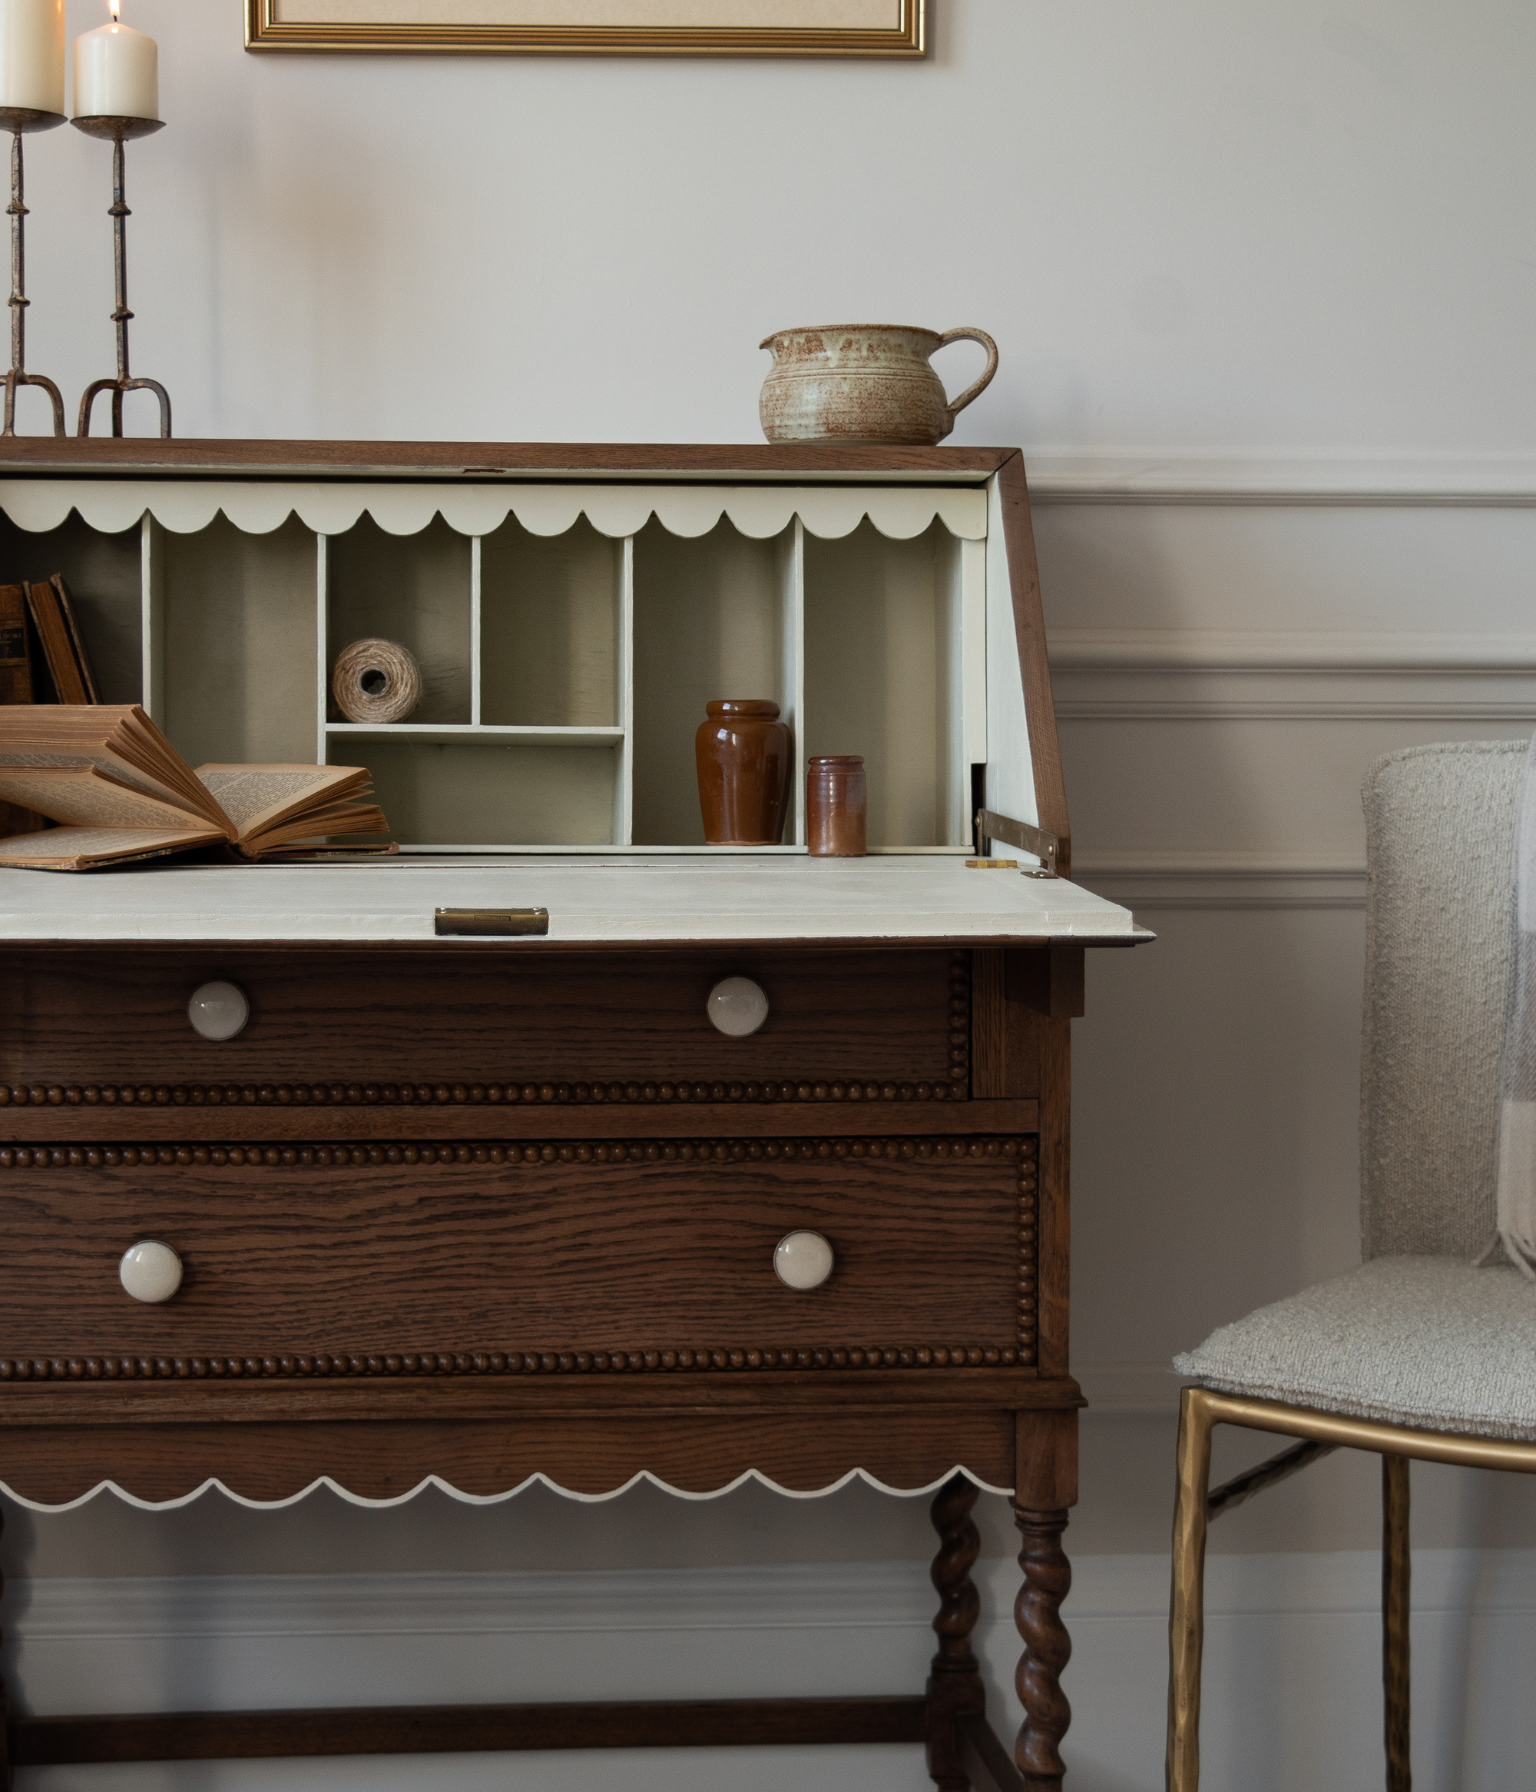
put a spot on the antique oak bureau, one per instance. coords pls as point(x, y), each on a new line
point(493, 1206)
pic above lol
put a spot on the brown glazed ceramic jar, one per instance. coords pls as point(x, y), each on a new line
point(862, 383)
point(836, 805)
point(743, 758)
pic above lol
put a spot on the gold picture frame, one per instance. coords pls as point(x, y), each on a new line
point(600, 27)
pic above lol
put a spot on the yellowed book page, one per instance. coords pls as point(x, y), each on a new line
point(347, 818)
point(143, 745)
point(36, 751)
point(330, 850)
point(116, 738)
point(258, 796)
point(59, 848)
point(84, 796)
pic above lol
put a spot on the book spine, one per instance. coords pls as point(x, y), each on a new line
point(76, 639)
point(16, 687)
point(47, 614)
point(15, 649)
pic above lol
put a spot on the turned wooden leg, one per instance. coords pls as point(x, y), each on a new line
point(954, 1679)
point(1186, 1623)
point(1395, 1565)
point(1037, 1611)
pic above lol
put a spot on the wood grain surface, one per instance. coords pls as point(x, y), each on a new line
point(294, 1395)
point(699, 1452)
point(362, 460)
point(554, 1255)
point(1005, 1034)
point(1046, 1476)
point(955, 1688)
point(120, 1016)
point(1034, 664)
point(1055, 1246)
point(1047, 1648)
point(64, 1116)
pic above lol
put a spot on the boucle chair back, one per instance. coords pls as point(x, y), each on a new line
point(1440, 843)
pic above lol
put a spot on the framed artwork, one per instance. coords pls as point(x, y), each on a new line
point(611, 27)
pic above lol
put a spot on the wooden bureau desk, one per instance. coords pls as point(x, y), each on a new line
point(481, 1209)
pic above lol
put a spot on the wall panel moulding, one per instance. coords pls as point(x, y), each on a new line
point(1147, 881)
point(1256, 476)
point(1288, 650)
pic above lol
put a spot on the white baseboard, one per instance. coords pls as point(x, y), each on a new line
point(1292, 1681)
point(799, 1597)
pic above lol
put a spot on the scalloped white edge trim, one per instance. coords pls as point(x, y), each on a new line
point(214, 1484)
point(762, 512)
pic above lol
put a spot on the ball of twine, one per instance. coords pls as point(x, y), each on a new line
point(376, 681)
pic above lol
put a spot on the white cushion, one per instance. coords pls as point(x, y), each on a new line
point(1423, 1341)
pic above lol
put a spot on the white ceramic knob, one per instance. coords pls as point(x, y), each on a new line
point(218, 1010)
point(802, 1260)
point(150, 1271)
point(737, 1006)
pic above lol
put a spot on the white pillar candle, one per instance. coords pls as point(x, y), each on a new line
point(117, 73)
point(32, 54)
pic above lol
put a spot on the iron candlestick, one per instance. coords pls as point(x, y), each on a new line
point(119, 130)
point(20, 121)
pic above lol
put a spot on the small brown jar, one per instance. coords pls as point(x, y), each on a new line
point(836, 803)
point(743, 759)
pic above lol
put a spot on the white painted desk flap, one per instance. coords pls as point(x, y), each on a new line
point(589, 900)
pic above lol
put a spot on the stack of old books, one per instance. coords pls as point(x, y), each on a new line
point(42, 659)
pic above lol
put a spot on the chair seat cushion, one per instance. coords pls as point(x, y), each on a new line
point(1423, 1341)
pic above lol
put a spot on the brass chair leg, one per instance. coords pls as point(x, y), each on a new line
point(1395, 1569)
point(1186, 1630)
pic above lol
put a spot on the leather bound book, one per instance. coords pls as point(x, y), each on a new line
point(53, 631)
point(76, 639)
point(15, 650)
point(15, 687)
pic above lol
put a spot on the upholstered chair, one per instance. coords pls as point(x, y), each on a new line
point(1418, 1353)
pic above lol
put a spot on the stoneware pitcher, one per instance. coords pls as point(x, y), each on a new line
point(863, 383)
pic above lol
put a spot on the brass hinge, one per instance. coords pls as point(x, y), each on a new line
point(1024, 835)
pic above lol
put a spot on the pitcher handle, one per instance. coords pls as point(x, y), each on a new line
point(980, 386)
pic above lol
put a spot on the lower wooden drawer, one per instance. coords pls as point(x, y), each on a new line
point(507, 1259)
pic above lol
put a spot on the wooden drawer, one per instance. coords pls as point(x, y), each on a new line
point(406, 1258)
point(334, 1025)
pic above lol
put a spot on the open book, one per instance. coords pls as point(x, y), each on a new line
point(122, 791)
